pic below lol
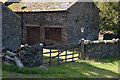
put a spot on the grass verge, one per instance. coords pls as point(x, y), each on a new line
point(97, 68)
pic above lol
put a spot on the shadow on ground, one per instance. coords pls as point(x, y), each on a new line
point(67, 70)
point(107, 59)
point(82, 70)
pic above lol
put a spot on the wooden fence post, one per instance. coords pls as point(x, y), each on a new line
point(66, 56)
point(82, 48)
point(79, 50)
point(42, 54)
point(41, 50)
point(50, 58)
point(73, 55)
point(58, 56)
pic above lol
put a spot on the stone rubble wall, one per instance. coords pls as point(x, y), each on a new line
point(108, 36)
point(102, 48)
point(11, 29)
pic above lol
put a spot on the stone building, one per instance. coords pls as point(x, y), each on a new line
point(58, 22)
point(10, 28)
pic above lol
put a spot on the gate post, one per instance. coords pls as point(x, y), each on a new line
point(79, 51)
point(41, 49)
point(82, 44)
point(82, 48)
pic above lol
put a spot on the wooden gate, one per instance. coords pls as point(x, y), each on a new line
point(59, 54)
point(33, 35)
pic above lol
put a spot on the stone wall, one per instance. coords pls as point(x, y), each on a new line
point(11, 29)
point(108, 36)
point(103, 48)
point(79, 15)
point(0, 27)
point(83, 14)
point(42, 20)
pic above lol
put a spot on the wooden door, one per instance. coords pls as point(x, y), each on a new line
point(33, 35)
point(53, 34)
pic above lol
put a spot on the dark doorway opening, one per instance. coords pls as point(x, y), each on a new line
point(53, 34)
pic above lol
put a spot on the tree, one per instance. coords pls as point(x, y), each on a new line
point(109, 16)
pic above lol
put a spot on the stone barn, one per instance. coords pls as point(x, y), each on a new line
point(57, 22)
point(10, 28)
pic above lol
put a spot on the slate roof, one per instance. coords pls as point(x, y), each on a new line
point(40, 6)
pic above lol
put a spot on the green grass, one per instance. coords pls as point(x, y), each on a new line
point(97, 68)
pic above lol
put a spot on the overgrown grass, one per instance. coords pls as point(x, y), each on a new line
point(97, 68)
point(25, 70)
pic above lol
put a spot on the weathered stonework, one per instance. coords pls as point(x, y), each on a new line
point(0, 39)
point(108, 36)
point(79, 15)
point(42, 20)
point(11, 29)
point(103, 48)
point(0, 27)
point(85, 15)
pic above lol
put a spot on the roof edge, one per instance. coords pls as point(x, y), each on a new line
point(11, 11)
